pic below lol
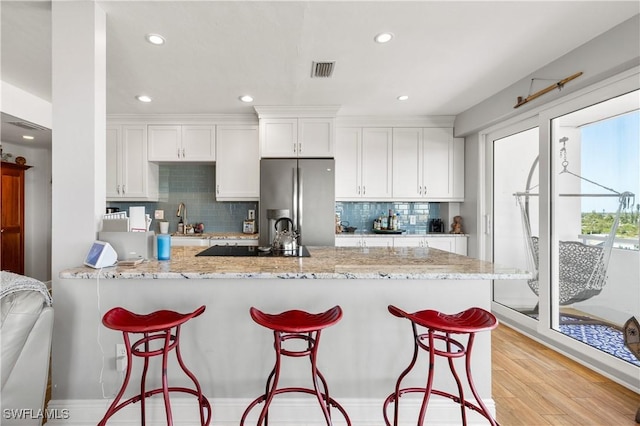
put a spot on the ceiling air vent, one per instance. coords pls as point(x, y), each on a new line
point(322, 69)
point(27, 125)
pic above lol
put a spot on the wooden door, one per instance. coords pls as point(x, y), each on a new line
point(12, 217)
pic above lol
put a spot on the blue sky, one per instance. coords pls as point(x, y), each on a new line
point(611, 157)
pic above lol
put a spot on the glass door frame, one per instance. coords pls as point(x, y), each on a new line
point(542, 330)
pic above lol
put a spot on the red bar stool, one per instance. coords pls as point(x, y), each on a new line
point(164, 327)
point(439, 328)
point(296, 325)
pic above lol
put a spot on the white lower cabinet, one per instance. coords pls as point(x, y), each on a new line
point(453, 244)
point(180, 241)
point(362, 241)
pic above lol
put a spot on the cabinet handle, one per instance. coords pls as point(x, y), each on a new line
point(364, 190)
point(183, 153)
point(420, 190)
point(295, 147)
point(118, 189)
point(424, 190)
point(123, 190)
point(299, 147)
point(217, 189)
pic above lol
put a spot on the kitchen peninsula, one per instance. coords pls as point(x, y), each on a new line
point(361, 356)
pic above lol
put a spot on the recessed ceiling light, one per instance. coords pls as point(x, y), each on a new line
point(403, 97)
point(143, 98)
point(27, 137)
point(246, 98)
point(156, 39)
point(383, 37)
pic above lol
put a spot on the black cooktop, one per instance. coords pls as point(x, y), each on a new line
point(250, 251)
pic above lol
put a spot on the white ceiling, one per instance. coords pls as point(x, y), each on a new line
point(447, 56)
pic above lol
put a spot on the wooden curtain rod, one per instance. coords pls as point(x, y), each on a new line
point(539, 93)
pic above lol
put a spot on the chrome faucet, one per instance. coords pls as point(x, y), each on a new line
point(182, 213)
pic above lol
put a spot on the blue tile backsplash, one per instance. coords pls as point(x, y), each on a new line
point(194, 185)
point(362, 215)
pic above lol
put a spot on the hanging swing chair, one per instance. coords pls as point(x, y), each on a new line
point(582, 267)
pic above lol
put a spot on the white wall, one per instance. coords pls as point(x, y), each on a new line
point(37, 212)
point(23, 105)
point(606, 55)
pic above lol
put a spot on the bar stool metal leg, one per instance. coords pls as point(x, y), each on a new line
point(298, 329)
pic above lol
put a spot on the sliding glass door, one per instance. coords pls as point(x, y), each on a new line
point(515, 215)
point(595, 181)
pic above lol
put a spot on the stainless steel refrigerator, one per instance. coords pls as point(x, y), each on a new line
point(304, 191)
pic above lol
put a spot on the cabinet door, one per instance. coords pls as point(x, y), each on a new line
point(315, 137)
point(134, 162)
point(377, 241)
point(407, 163)
point(238, 163)
point(408, 241)
point(458, 170)
point(437, 163)
point(198, 143)
point(461, 245)
point(114, 157)
point(348, 163)
point(165, 143)
point(278, 137)
point(12, 218)
point(376, 163)
point(442, 243)
point(348, 241)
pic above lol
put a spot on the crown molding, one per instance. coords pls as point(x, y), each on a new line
point(294, 111)
point(186, 119)
point(396, 121)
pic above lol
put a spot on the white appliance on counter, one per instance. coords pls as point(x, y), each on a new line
point(304, 187)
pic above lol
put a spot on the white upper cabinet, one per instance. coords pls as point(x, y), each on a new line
point(297, 137)
point(129, 175)
point(238, 163)
point(182, 143)
point(363, 163)
point(428, 164)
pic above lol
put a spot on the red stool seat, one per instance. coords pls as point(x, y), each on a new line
point(163, 327)
point(296, 325)
point(296, 321)
point(440, 327)
point(123, 320)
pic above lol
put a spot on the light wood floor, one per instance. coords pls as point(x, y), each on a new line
point(535, 386)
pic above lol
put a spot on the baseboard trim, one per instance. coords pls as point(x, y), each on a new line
point(283, 412)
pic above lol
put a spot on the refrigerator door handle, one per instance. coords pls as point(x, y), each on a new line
point(300, 204)
point(294, 210)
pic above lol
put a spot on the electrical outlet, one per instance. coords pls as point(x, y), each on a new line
point(121, 351)
point(121, 364)
point(412, 219)
point(159, 214)
point(252, 214)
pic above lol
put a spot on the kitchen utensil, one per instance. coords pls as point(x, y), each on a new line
point(285, 241)
point(346, 228)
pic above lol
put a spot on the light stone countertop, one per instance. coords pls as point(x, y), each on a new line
point(324, 263)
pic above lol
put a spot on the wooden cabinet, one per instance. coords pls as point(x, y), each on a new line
point(12, 217)
point(428, 164)
point(297, 137)
point(363, 163)
point(238, 163)
point(129, 175)
point(182, 143)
